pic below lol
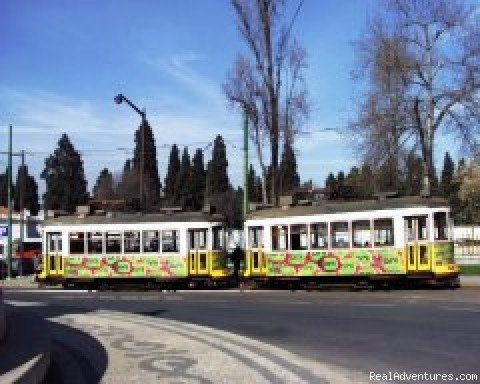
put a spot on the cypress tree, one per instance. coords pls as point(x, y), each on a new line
point(330, 181)
point(4, 190)
point(340, 178)
point(172, 173)
point(65, 178)
point(127, 188)
point(151, 178)
point(251, 184)
point(217, 174)
point(254, 186)
point(446, 183)
point(182, 195)
point(27, 186)
point(103, 188)
point(197, 180)
point(289, 178)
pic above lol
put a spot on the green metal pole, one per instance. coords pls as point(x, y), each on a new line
point(245, 165)
point(9, 197)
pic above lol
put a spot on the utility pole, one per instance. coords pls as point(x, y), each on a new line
point(9, 197)
point(22, 188)
point(23, 176)
point(245, 164)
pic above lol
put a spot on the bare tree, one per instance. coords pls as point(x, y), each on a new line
point(241, 88)
point(257, 83)
point(435, 45)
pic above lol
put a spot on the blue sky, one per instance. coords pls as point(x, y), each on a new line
point(63, 61)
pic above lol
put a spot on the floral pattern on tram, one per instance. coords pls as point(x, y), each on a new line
point(124, 266)
point(443, 253)
point(347, 262)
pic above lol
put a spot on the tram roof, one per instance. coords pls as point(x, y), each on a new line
point(127, 218)
point(330, 207)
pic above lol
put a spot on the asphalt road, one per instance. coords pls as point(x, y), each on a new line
point(433, 331)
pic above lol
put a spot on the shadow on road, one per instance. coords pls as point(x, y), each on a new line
point(30, 328)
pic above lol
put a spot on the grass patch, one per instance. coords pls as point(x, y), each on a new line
point(469, 269)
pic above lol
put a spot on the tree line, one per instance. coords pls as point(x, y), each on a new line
point(24, 190)
point(189, 183)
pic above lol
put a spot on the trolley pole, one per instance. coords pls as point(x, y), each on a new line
point(9, 197)
point(245, 164)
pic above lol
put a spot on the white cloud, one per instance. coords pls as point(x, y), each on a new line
point(181, 68)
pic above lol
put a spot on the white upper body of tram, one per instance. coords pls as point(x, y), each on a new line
point(159, 246)
point(397, 236)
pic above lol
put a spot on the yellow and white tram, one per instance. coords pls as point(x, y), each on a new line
point(368, 242)
point(150, 249)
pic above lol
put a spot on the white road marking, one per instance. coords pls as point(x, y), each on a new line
point(25, 303)
point(386, 305)
point(465, 309)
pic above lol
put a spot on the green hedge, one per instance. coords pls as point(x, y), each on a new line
point(470, 269)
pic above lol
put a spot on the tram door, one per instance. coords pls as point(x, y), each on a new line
point(54, 260)
point(417, 250)
point(255, 254)
point(198, 251)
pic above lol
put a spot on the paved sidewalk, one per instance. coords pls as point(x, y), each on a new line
point(470, 281)
point(156, 350)
point(19, 282)
point(25, 349)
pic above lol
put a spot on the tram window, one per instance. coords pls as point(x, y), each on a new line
point(95, 242)
point(361, 233)
point(113, 242)
point(131, 242)
point(409, 229)
point(255, 237)
point(298, 237)
point(422, 228)
point(170, 241)
point(77, 243)
point(218, 236)
point(54, 242)
point(279, 237)
point(340, 234)
point(383, 232)
point(151, 241)
point(319, 236)
point(440, 225)
point(198, 238)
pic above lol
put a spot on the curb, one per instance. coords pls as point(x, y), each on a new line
point(469, 281)
point(26, 355)
point(31, 372)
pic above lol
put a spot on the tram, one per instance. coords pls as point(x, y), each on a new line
point(160, 250)
point(370, 243)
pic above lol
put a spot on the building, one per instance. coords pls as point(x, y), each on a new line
point(26, 241)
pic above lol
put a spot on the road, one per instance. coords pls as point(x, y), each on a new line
point(433, 331)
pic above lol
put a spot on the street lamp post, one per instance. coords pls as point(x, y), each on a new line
point(119, 99)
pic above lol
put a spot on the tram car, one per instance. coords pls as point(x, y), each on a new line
point(159, 250)
point(372, 243)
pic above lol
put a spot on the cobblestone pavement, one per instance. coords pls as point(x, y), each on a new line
point(155, 350)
